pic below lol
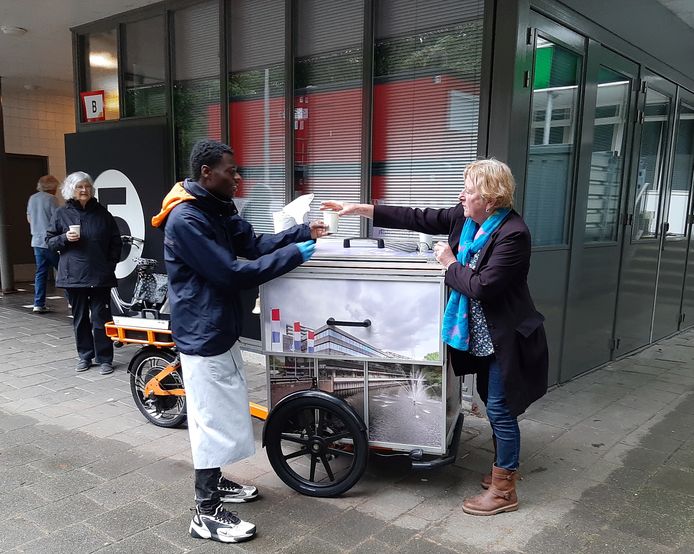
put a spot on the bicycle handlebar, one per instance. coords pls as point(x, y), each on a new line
point(127, 239)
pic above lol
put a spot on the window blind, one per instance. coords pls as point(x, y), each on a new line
point(328, 103)
point(427, 72)
point(256, 107)
point(196, 93)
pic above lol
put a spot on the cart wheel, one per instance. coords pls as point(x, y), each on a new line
point(316, 443)
point(163, 411)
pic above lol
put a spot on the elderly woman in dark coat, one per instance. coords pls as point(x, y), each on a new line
point(490, 325)
point(87, 237)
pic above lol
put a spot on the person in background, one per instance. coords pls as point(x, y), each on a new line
point(88, 239)
point(490, 323)
point(203, 236)
point(41, 207)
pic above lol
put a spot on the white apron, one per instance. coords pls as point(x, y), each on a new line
point(219, 422)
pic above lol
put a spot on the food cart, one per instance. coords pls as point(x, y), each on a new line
point(355, 363)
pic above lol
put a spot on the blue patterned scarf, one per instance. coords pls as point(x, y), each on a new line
point(455, 328)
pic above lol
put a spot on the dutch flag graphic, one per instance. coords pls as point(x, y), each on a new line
point(297, 336)
point(310, 341)
point(276, 343)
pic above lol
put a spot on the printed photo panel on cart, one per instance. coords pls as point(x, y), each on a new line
point(406, 404)
point(353, 318)
point(288, 374)
point(344, 379)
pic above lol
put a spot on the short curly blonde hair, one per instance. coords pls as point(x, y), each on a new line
point(494, 181)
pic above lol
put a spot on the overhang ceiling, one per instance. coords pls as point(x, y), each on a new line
point(42, 57)
point(684, 9)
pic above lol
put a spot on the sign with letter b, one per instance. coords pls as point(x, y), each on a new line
point(93, 105)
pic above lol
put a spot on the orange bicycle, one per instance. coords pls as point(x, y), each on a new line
point(156, 379)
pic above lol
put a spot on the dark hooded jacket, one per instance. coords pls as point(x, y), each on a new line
point(500, 283)
point(90, 261)
point(203, 238)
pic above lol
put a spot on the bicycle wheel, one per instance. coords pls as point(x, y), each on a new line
point(316, 444)
point(162, 410)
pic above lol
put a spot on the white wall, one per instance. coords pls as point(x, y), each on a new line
point(35, 123)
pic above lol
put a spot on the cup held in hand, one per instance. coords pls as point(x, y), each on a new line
point(75, 229)
point(331, 220)
point(425, 242)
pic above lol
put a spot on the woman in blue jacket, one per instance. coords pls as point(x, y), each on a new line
point(86, 267)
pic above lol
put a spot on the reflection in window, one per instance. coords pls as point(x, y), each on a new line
point(651, 165)
point(607, 159)
point(328, 103)
point(552, 142)
point(102, 69)
point(143, 79)
point(427, 71)
point(196, 87)
point(681, 171)
point(256, 107)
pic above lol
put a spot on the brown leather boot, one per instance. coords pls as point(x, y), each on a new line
point(500, 497)
point(486, 481)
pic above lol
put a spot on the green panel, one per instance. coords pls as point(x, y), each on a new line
point(564, 71)
point(543, 67)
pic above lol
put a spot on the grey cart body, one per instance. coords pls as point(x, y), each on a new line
point(357, 327)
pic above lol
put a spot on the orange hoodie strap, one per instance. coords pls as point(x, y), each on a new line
point(176, 195)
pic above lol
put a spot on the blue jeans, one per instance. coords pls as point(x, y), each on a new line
point(45, 261)
point(504, 425)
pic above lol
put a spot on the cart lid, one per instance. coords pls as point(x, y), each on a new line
point(364, 252)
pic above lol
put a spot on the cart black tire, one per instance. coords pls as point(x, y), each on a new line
point(326, 434)
point(162, 411)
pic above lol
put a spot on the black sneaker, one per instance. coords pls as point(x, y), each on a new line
point(221, 526)
point(233, 492)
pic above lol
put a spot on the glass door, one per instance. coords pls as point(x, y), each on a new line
point(674, 243)
point(642, 244)
point(683, 176)
point(610, 103)
point(555, 115)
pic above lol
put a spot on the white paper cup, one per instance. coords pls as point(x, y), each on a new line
point(427, 240)
point(75, 229)
point(331, 220)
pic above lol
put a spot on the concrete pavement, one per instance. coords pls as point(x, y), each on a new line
point(607, 464)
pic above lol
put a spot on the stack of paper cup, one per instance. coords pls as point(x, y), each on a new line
point(282, 221)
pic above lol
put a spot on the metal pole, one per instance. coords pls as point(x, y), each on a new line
point(6, 273)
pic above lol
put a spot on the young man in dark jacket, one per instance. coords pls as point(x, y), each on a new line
point(203, 235)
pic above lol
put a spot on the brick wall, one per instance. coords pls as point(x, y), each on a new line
point(35, 123)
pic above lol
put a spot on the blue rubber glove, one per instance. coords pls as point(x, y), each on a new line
point(307, 249)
